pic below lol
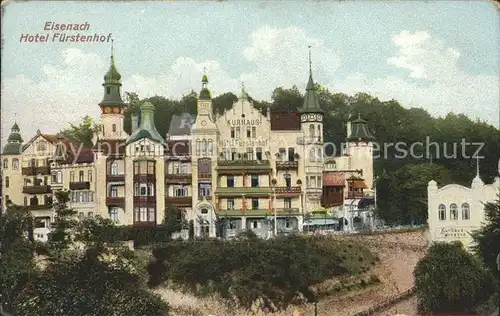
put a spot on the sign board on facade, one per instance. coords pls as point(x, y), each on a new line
point(453, 232)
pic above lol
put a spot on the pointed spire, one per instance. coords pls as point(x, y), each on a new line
point(147, 128)
point(310, 61)
point(311, 100)
point(477, 182)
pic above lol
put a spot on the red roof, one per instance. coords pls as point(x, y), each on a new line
point(334, 178)
point(282, 120)
point(73, 149)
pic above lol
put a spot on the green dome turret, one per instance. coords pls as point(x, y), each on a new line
point(147, 129)
point(112, 96)
point(14, 142)
point(205, 93)
point(359, 131)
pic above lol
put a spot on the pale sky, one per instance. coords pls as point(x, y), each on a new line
point(442, 56)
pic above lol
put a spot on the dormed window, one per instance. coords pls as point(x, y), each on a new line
point(465, 211)
point(442, 212)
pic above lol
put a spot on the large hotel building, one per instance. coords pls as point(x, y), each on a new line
point(243, 167)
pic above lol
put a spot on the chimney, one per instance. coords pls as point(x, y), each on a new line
point(134, 122)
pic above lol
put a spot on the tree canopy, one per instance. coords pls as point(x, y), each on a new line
point(451, 280)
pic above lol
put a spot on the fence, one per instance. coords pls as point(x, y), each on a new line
point(387, 303)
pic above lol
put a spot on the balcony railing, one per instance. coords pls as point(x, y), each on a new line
point(33, 171)
point(177, 178)
point(287, 190)
point(145, 199)
point(242, 162)
point(204, 175)
point(115, 177)
point(115, 201)
point(283, 165)
point(179, 200)
point(307, 140)
point(287, 211)
point(37, 207)
point(355, 195)
point(144, 178)
point(84, 185)
point(37, 189)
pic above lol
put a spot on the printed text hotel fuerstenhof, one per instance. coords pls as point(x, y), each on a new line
point(65, 32)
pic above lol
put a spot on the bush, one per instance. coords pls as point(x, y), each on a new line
point(250, 268)
point(451, 280)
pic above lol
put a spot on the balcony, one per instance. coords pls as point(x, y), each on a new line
point(37, 207)
point(227, 191)
point(287, 211)
point(307, 140)
point(179, 200)
point(287, 190)
point(178, 178)
point(115, 178)
point(144, 178)
point(37, 189)
point(145, 200)
point(287, 165)
point(84, 185)
point(115, 201)
point(33, 171)
point(242, 164)
point(204, 175)
point(351, 195)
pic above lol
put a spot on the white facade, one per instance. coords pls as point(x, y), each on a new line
point(454, 211)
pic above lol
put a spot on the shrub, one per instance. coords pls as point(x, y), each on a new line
point(451, 280)
point(250, 268)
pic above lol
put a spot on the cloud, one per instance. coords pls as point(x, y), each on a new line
point(426, 75)
point(434, 80)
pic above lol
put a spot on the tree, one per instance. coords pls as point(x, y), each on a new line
point(451, 280)
point(174, 219)
point(17, 256)
point(82, 133)
point(61, 237)
point(487, 238)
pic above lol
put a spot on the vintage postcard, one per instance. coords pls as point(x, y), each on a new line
point(250, 158)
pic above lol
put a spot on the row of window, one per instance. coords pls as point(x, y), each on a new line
point(314, 182)
point(232, 154)
point(145, 214)
point(144, 167)
point(312, 131)
point(31, 163)
point(47, 200)
point(287, 203)
point(183, 190)
point(250, 132)
point(82, 196)
point(204, 147)
point(81, 176)
point(454, 212)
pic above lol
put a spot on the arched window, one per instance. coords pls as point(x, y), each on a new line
point(453, 212)
point(311, 131)
point(15, 163)
point(319, 130)
point(312, 154)
point(7, 182)
point(6, 163)
point(81, 176)
point(34, 200)
point(114, 168)
point(151, 191)
point(465, 211)
point(204, 211)
point(442, 212)
point(25, 200)
point(320, 154)
point(113, 128)
point(59, 177)
point(204, 147)
point(210, 147)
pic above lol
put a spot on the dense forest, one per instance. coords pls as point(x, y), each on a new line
point(453, 141)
